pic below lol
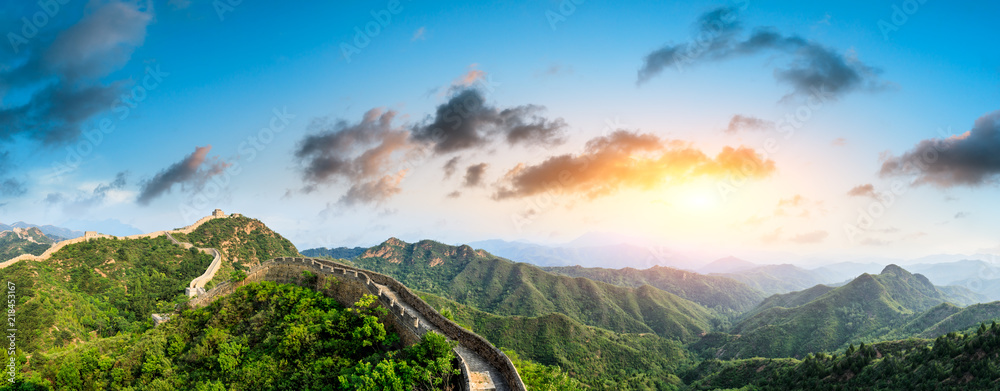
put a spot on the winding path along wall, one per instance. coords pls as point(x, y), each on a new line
point(484, 367)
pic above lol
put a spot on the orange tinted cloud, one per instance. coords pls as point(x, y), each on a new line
point(626, 159)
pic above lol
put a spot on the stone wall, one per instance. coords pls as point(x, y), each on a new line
point(91, 234)
point(452, 330)
point(289, 270)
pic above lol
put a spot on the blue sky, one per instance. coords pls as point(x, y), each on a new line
point(221, 79)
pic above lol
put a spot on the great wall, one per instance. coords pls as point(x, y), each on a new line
point(483, 366)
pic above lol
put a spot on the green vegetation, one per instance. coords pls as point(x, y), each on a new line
point(181, 237)
point(776, 279)
point(894, 304)
point(595, 357)
point(32, 241)
point(953, 361)
point(501, 287)
point(99, 288)
point(243, 242)
point(263, 336)
point(722, 294)
point(538, 377)
point(346, 253)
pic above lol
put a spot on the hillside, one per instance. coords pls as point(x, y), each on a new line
point(99, 288)
point(55, 233)
point(19, 241)
point(347, 253)
point(295, 339)
point(772, 279)
point(724, 295)
point(869, 306)
point(727, 265)
point(598, 358)
point(243, 242)
point(949, 362)
point(791, 299)
point(499, 286)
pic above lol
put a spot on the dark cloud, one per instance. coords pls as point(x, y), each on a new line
point(12, 188)
point(627, 159)
point(466, 121)
point(811, 68)
point(363, 154)
point(969, 159)
point(745, 122)
point(810, 237)
point(450, 166)
point(865, 190)
point(376, 191)
point(54, 198)
point(454, 194)
point(62, 76)
point(474, 174)
point(55, 114)
point(961, 215)
point(194, 170)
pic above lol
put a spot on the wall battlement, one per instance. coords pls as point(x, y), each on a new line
point(394, 296)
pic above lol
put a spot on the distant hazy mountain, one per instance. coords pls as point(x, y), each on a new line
point(614, 256)
point(952, 272)
point(772, 279)
point(720, 293)
point(869, 308)
point(727, 265)
point(842, 272)
point(53, 232)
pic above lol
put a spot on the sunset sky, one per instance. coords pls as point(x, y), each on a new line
point(835, 129)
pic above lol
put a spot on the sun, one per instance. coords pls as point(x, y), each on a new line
point(696, 198)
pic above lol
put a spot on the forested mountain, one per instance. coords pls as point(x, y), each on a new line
point(869, 308)
point(771, 279)
point(722, 294)
point(598, 358)
point(243, 241)
point(18, 241)
point(296, 339)
point(99, 288)
point(950, 362)
point(502, 287)
point(347, 253)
